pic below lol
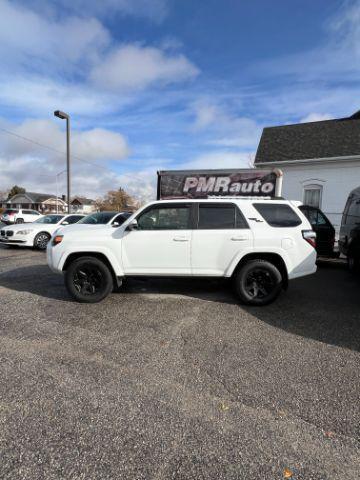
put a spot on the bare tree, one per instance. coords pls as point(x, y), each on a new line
point(116, 200)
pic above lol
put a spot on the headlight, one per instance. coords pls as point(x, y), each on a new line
point(57, 239)
point(24, 232)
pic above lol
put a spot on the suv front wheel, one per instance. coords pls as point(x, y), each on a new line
point(258, 282)
point(88, 280)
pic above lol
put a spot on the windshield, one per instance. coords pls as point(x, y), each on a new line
point(50, 219)
point(99, 218)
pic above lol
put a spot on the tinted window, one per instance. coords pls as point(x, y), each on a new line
point(353, 211)
point(278, 215)
point(99, 218)
point(216, 216)
point(165, 218)
point(315, 217)
point(220, 216)
point(73, 219)
point(28, 212)
point(321, 219)
point(120, 219)
point(50, 219)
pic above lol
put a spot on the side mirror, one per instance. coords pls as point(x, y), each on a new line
point(133, 225)
point(65, 223)
point(115, 224)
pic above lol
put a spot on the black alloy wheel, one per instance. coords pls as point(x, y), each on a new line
point(88, 280)
point(258, 282)
point(41, 240)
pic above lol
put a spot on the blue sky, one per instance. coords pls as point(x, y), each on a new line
point(165, 83)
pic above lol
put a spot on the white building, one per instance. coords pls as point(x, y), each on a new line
point(83, 205)
point(320, 161)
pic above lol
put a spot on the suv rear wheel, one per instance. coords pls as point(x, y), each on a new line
point(19, 220)
point(88, 280)
point(258, 282)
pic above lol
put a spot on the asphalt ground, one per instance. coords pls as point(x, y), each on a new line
point(176, 380)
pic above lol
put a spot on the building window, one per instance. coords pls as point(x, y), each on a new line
point(312, 195)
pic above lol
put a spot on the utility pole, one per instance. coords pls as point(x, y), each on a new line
point(65, 116)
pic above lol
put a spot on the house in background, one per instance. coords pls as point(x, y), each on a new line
point(42, 202)
point(83, 205)
point(320, 161)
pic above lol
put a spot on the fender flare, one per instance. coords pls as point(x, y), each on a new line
point(251, 252)
point(97, 252)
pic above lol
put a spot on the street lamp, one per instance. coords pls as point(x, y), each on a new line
point(65, 116)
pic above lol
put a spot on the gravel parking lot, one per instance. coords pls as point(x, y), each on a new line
point(176, 380)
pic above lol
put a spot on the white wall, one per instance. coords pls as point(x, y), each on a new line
point(337, 178)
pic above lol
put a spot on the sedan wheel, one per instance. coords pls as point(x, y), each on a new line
point(41, 240)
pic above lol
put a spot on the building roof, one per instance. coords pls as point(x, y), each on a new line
point(34, 197)
point(83, 201)
point(324, 139)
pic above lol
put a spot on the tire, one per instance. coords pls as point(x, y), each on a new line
point(19, 220)
point(41, 240)
point(88, 280)
point(258, 282)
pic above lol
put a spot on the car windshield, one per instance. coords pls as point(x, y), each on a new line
point(50, 219)
point(99, 218)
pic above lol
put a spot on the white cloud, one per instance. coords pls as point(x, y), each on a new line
point(338, 57)
point(205, 115)
point(86, 180)
point(95, 144)
point(155, 10)
point(136, 67)
point(35, 168)
point(29, 39)
point(100, 144)
point(315, 117)
point(219, 160)
point(225, 128)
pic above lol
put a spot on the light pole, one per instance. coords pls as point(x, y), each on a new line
point(57, 190)
point(65, 116)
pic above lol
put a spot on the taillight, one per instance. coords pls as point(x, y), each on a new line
point(310, 237)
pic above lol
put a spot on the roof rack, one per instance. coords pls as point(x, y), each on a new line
point(238, 197)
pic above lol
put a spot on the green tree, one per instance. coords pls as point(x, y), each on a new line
point(15, 190)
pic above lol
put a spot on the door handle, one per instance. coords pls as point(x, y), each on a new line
point(239, 239)
point(180, 239)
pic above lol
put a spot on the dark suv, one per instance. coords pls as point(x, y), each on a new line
point(325, 232)
point(349, 240)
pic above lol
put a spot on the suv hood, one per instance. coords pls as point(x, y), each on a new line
point(83, 227)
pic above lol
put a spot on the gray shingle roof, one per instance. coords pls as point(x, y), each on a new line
point(84, 201)
point(328, 138)
point(36, 197)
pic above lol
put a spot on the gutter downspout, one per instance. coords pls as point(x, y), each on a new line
point(278, 187)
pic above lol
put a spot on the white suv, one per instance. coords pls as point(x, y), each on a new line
point(19, 215)
point(260, 244)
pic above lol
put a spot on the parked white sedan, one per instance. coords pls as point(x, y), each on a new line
point(38, 233)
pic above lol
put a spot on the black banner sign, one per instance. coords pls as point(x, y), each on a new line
point(216, 183)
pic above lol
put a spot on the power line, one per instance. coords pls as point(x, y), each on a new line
point(60, 152)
